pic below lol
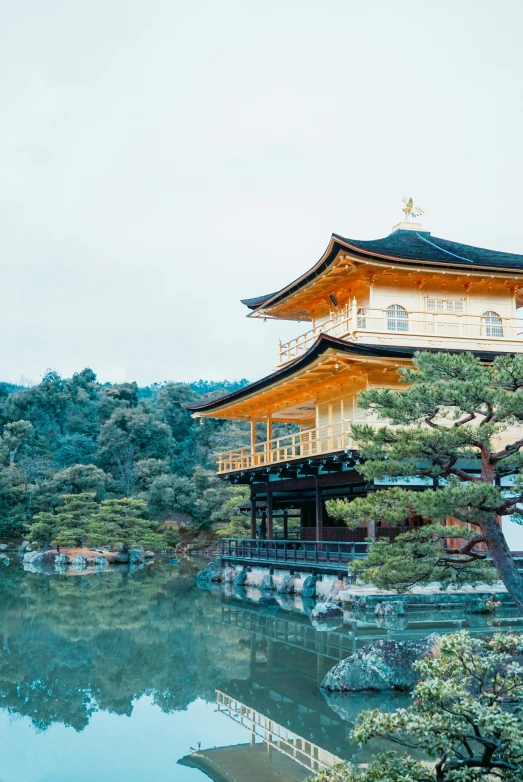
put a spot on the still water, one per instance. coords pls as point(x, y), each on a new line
point(141, 676)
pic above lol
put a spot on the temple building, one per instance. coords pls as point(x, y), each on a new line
point(369, 306)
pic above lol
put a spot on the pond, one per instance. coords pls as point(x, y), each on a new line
point(143, 675)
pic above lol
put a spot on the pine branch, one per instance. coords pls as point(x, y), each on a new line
point(465, 476)
point(507, 451)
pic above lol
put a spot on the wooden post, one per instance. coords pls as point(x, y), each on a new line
point(253, 513)
point(269, 516)
point(268, 446)
point(319, 511)
point(253, 441)
point(285, 524)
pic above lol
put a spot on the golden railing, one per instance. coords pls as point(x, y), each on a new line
point(458, 326)
point(309, 755)
point(309, 442)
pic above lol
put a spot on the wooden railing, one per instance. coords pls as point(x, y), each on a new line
point(308, 442)
point(300, 750)
point(297, 552)
point(354, 318)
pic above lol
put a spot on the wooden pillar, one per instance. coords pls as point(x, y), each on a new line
point(285, 524)
point(319, 511)
point(269, 516)
point(253, 513)
point(254, 460)
point(268, 444)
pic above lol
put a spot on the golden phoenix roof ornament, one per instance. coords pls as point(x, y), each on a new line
point(410, 210)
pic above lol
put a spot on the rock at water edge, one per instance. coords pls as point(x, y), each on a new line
point(326, 610)
point(79, 563)
point(136, 556)
point(381, 665)
point(390, 608)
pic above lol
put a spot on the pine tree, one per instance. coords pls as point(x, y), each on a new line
point(444, 427)
point(465, 718)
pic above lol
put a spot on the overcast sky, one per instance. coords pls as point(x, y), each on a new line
point(161, 159)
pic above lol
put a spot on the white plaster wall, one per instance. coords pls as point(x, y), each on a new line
point(513, 533)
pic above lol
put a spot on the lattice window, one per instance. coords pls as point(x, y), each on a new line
point(397, 318)
point(491, 325)
point(444, 305)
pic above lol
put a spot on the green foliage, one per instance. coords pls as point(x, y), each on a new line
point(419, 556)
point(68, 525)
point(466, 717)
point(76, 436)
point(123, 521)
point(81, 521)
point(442, 429)
point(99, 644)
point(238, 524)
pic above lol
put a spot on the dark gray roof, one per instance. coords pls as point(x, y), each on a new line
point(407, 247)
point(421, 246)
point(256, 301)
point(322, 344)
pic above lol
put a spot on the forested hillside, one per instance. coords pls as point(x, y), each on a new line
point(77, 436)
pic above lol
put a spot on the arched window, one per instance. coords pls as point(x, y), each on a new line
point(491, 325)
point(397, 318)
point(362, 318)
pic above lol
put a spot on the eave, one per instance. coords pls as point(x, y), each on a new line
point(350, 251)
point(322, 356)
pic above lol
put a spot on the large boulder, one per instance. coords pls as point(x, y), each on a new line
point(326, 616)
point(327, 610)
point(37, 561)
point(337, 586)
point(101, 562)
point(79, 563)
point(381, 665)
point(286, 586)
point(240, 578)
point(212, 573)
point(390, 608)
point(136, 556)
point(267, 583)
point(309, 587)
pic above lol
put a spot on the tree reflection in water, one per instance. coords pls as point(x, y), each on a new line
point(72, 645)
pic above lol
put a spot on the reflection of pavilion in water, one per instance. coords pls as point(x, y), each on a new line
point(292, 731)
point(295, 731)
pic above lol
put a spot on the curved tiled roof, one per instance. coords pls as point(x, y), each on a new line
point(405, 247)
point(322, 344)
point(421, 246)
point(257, 300)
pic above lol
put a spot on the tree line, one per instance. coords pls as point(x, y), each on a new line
point(82, 461)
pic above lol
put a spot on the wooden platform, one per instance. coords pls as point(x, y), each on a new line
point(302, 555)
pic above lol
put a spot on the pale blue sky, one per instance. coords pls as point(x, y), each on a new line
point(162, 159)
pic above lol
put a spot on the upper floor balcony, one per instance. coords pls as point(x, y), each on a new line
point(319, 441)
point(308, 442)
point(438, 326)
